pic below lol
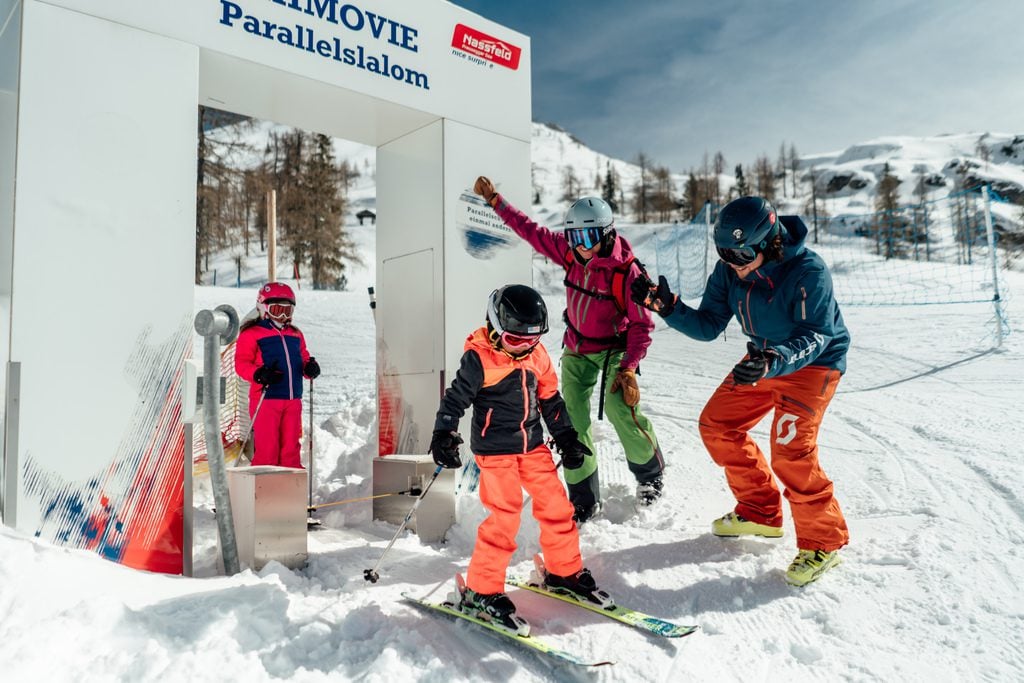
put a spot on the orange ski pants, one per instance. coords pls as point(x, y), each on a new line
point(799, 401)
point(502, 480)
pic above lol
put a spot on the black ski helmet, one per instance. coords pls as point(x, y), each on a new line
point(517, 309)
point(744, 228)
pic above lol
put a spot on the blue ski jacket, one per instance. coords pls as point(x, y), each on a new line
point(785, 305)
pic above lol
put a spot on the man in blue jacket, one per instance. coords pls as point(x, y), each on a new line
point(781, 293)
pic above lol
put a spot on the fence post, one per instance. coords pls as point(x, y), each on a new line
point(991, 237)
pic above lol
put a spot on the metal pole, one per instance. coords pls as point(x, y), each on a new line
point(991, 236)
point(218, 327)
point(814, 201)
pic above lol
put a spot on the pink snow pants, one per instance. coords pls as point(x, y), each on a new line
point(277, 432)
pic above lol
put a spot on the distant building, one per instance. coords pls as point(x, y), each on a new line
point(366, 213)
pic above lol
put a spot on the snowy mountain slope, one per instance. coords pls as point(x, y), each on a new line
point(847, 181)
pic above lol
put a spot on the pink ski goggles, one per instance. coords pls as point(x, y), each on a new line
point(518, 343)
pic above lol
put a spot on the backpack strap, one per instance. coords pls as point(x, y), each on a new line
point(620, 276)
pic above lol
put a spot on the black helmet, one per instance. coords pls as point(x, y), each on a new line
point(518, 310)
point(744, 228)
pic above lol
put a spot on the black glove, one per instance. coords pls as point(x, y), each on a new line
point(311, 369)
point(757, 364)
point(658, 298)
point(444, 446)
point(572, 451)
point(267, 376)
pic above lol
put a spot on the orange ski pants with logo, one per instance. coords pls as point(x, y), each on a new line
point(502, 480)
point(799, 401)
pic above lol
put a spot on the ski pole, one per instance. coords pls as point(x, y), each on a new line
point(252, 425)
point(371, 575)
point(309, 507)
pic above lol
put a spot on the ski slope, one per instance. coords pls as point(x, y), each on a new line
point(922, 442)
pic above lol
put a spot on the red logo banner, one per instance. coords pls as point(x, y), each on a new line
point(486, 47)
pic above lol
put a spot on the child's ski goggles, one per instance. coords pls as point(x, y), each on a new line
point(281, 310)
point(518, 343)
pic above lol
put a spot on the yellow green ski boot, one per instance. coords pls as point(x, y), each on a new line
point(809, 565)
point(732, 525)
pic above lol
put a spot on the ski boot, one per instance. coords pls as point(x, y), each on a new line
point(582, 513)
point(648, 492)
point(580, 586)
point(496, 608)
point(732, 526)
point(809, 565)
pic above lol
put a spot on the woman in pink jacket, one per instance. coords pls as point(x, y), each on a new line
point(271, 355)
point(605, 333)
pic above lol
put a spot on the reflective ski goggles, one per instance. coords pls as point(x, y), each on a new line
point(743, 256)
point(280, 310)
point(584, 237)
point(518, 343)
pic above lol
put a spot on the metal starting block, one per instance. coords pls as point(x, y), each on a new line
point(268, 504)
point(395, 473)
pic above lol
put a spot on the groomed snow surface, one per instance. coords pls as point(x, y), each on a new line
point(922, 442)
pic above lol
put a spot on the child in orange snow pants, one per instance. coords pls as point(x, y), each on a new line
point(502, 480)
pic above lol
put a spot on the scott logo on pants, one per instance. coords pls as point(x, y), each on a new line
point(785, 429)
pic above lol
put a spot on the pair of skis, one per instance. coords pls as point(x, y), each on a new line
point(535, 583)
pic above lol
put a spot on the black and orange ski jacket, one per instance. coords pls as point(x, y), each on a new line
point(509, 397)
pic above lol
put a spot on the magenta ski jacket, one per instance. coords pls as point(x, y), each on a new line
point(600, 313)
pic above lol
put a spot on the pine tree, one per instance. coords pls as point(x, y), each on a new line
point(888, 227)
point(781, 165)
point(692, 196)
point(610, 187)
point(662, 197)
point(219, 185)
point(764, 178)
point(570, 184)
point(329, 244)
point(742, 189)
point(642, 189)
point(719, 166)
point(794, 165)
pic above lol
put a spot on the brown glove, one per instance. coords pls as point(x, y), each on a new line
point(625, 379)
point(485, 188)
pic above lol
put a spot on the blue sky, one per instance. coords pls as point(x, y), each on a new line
point(676, 78)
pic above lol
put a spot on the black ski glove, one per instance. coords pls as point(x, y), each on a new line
point(755, 366)
point(658, 298)
point(311, 369)
point(444, 446)
point(267, 376)
point(572, 451)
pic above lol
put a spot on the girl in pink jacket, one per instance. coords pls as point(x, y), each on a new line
point(271, 355)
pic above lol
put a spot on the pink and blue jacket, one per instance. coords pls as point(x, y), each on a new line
point(284, 350)
point(600, 313)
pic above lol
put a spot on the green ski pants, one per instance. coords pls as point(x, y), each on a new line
point(581, 373)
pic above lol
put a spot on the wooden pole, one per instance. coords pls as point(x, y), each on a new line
point(272, 236)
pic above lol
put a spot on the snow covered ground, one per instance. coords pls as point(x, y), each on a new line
point(922, 442)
